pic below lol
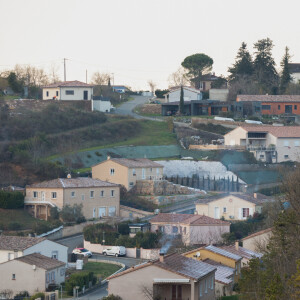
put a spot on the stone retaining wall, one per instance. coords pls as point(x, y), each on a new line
point(163, 200)
point(133, 213)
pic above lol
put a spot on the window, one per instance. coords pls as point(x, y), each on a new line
point(52, 276)
point(286, 143)
point(112, 193)
point(35, 194)
point(286, 156)
point(101, 193)
point(200, 289)
point(10, 256)
point(112, 211)
point(69, 92)
point(56, 93)
point(143, 174)
point(224, 210)
point(72, 194)
point(47, 93)
point(161, 229)
point(48, 277)
point(54, 254)
point(62, 271)
point(133, 172)
point(245, 212)
point(151, 170)
point(92, 194)
point(261, 156)
point(53, 195)
point(131, 184)
point(205, 285)
point(175, 229)
point(82, 197)
point(13, 277)
point(278, 106)
point(94, 212)
point(157, 171)
point(112, 172)
point(102, 212)
point(212, 282)
point(295, 107)
point(266, 107)
point(297, 143)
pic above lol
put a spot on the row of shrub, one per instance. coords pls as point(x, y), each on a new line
point(80, 279)
point(11, 200)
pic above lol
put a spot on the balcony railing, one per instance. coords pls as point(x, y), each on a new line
point(260, 148)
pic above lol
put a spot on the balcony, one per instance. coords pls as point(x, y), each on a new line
point(260, 148)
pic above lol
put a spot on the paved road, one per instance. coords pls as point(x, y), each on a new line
point(127, 261)
point(96, 294)
point(71, 242)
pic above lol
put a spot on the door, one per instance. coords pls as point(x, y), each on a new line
point(288, 109)
point(217, 212)
point(43, 196)
point(94, 212)
point(102, 212)
point(85, 95)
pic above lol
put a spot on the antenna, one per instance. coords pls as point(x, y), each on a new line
point(65, 70)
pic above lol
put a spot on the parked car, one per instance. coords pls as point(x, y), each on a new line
point(115, 251)
point(82, 251)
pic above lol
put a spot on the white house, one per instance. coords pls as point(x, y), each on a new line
point(68, 90)
point(12, 247)
point(189, 94)
point(102, 104)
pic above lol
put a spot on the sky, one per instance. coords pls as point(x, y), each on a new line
point(140, 40)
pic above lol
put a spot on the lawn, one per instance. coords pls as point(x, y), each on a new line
point(100, 269)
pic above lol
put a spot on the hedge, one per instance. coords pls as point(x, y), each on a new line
point(80, 279)
point(11, 200)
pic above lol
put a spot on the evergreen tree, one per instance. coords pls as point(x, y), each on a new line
point(286, 77)
point(264, 66)
point(243, 65)
point(181, 103)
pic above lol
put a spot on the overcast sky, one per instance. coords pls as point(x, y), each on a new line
point(140, 40)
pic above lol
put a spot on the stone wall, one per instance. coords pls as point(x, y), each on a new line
point(164, 200)
point(151, 109)
point(227, 124)
point(133, 213)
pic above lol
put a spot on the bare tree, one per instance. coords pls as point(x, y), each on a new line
point(178, 78)
point(6, 294)
point(53, 73)
point(150, 293)
point(152, 86)
point(100, 78)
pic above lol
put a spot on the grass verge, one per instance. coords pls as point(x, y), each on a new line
point(100, 269)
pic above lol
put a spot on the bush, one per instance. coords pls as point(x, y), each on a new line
point(11, 200)
point(79, 279)
point(38, 295)
point(112, 297)
point(72, 214)
point(14, 226)
point(96, 233)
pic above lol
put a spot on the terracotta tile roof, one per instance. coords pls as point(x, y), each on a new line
point(74, 83)
point(223, 274)
point(257, 233)
point(80, 182)
point(19, 243)
point(187, 219)
point(41, 261)
point(243, 252)
point(136, 162)
point(223, 252)
point(277, 131)
point(268, 98)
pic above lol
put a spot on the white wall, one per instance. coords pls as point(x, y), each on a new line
point(104, 106)
point(78, 93)
point(6, 255)
point(53, 92)
point(188, 95)
point(218, 94)
point(234, 137)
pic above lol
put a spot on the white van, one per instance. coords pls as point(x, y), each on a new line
point(115, 251)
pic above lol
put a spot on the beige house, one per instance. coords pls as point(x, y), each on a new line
point(258, 240)
point(172, 277)
point(98, 198)
point(270, 144)
point(68, 90)
point(12, 247)
point(127, 171)
point(233, 206)
point(193, 229)
point(32, 273)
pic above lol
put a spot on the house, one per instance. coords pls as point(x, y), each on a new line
point(257, 241)
point(189, 94)
point(294, 69)
point(12, 247)
point(138, 227)
point(126, 172)
point(193, 229)
point(32, 273)
point(68, 90)
point(233, 206)
point(269, 104)
point(218, 255)
point(98, 198)
point(171, 277)
point(271, 144)
point(119, 89)
point(206, 81)
point(102, 104)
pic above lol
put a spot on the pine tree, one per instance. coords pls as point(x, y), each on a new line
point(243, 65)
point(286, 77)
point(181, 103)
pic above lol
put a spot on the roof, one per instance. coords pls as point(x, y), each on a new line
point(178, 264)
point(224, 274)
point(277, 131)
point(19, 243)
point(257, 233)
point(134, 162)
point(243, 252)
point(41, 261)
point(223, 252)
point(119, 87)
point(294, 67)
point(259, 199)
point(80, 182)
point(189, 88)
point(74, 83)
point(187, 219)
point(268, 98)
point(209, 77)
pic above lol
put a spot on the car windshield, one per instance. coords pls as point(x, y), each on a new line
point(84, 250)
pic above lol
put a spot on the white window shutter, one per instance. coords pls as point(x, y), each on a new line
point(251, 211)
point(240, 213)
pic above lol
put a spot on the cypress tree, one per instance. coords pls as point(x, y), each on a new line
point(285, 77)
point(181, 103)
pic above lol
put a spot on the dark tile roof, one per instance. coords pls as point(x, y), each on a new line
point(80, 182)
point(136, 162)
point(19, 243)
point(41, 261)
point(223, 252)
point(224, 274)
point(268, 98)
point(74, 83)
point(243, 252)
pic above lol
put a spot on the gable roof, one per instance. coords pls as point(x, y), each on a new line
point(134, 162)
point(18, 243)
point(188, 88)
point(178, 264)
point(258, 233)
point(277, 131)
point(80, 182)
point(74, 83)
point(41, 261)
point(222, 252)
point(243, 252)
point(268, 98)
point(224, 274)
point(187, 219)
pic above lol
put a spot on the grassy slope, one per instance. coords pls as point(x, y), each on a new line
point(100, 269)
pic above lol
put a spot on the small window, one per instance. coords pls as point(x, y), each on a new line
point(278, 106)
point(53, 195)
point(261, 156)
point(82, 197)
point(92, 194)
point(161, 229)
point(73, 194)
point(56, 93)
point(69, 92)
point(52, 276)
point(131, 184)
point(133, 172)
point(112, 172)
point(295, 107)
point(286, 156)
point(245, 212)
point(47, 93)
point(13, 277)
point(143, 174)
point(224, 210)
point(286, 143)
point(48, 277)
point(54, 254)
point(112, 193)
point(175, 229)
point(266, 107)
point(151, 170)
point(101, 193)
point(112, 211)
point(35, 194)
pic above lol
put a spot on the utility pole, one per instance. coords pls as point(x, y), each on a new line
point(85, 76)
point(65, 71)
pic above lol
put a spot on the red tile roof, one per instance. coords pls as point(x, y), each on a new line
point(74, 83)
point(277, 131)
point(257, 233)
point(134, 162)
point(268, 98)
point(19, 243)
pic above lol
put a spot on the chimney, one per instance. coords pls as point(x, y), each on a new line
point(255, 195)
point(161, 256)
point(236, 245)
point(108, 157)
